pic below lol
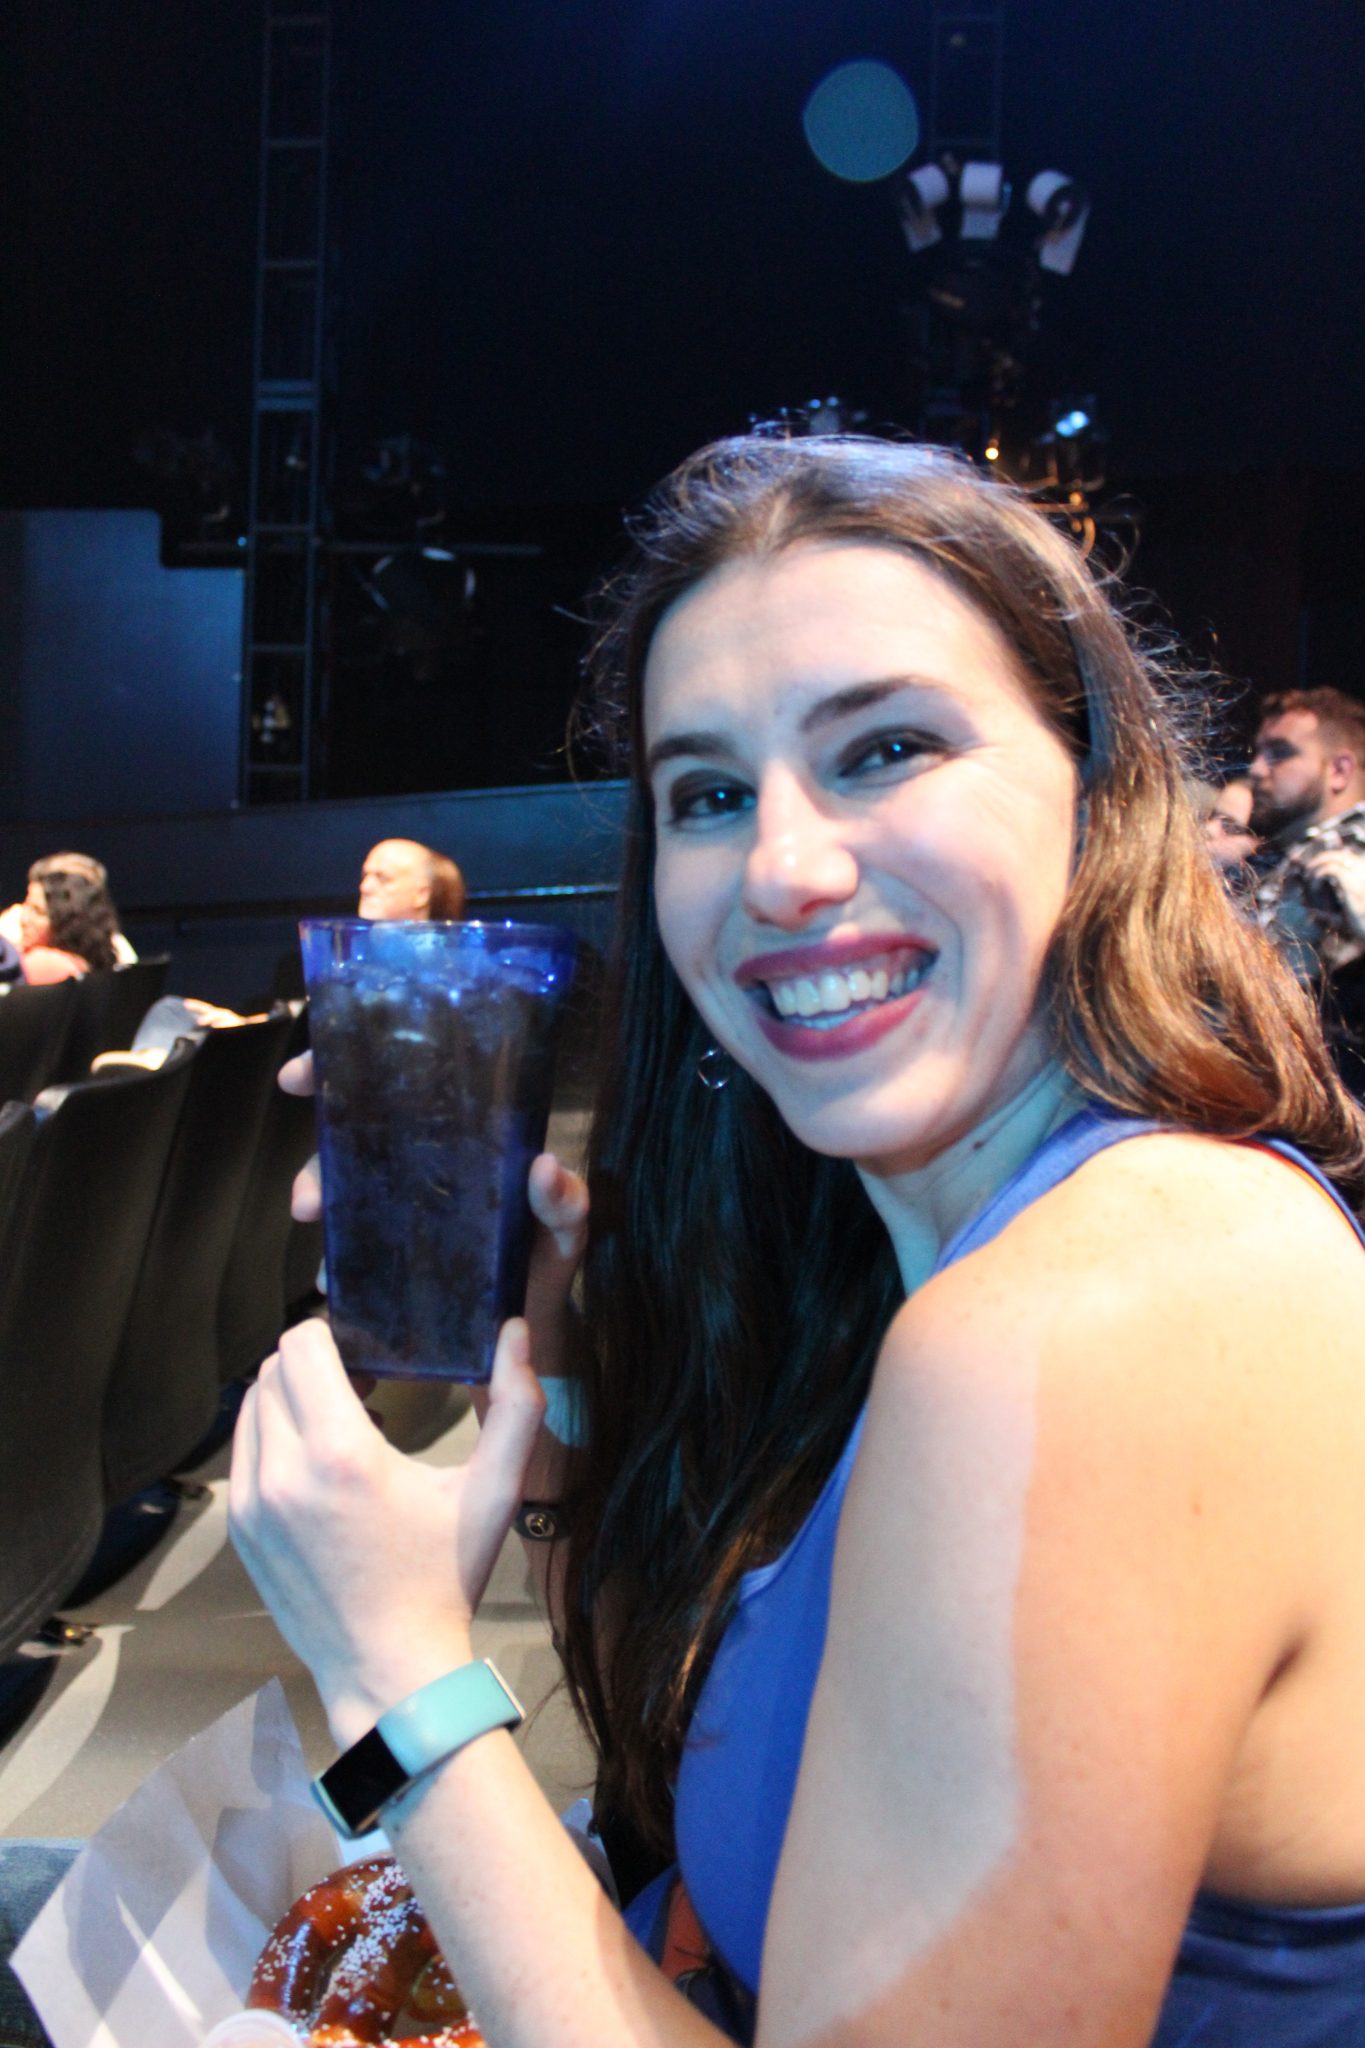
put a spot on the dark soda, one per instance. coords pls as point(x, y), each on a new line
point(434, 1048)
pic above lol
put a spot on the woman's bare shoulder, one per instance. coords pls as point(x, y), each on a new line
point(1183, 1278)
point(1171, 1216)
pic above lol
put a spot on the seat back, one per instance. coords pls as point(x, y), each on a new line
point(164, 1385)
point(131, 992)
point(109, 1007)
point(79, 1218)
point(35, 1028)
point(251, 1308)
point(17, 1125)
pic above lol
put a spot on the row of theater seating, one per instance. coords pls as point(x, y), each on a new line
point(52, 1034)
point(147, 1259)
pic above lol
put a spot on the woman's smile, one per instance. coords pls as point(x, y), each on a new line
point(827, 1002)
point(865, 835)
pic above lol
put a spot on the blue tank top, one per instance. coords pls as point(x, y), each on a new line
point(1246, 1976)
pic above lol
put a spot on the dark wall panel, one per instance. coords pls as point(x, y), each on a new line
point(121, 676)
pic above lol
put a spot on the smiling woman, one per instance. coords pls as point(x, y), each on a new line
point(967, 1463)
point(867, 780)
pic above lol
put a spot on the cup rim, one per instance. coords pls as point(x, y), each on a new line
point(511, 929)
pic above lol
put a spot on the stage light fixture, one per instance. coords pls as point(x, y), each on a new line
point(1072, 456)
point(1063, 207)
point(985, 198)
point(427, 594)
point(925, 190)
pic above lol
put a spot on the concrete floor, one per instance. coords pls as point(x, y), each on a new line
point(184, 1637)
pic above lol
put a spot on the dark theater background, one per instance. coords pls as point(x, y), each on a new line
point(562, 245)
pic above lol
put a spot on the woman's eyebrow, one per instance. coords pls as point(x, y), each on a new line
point(861, 697)
point(703, 746)
point(845, 703)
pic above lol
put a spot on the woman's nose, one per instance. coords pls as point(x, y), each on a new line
point(800, 861)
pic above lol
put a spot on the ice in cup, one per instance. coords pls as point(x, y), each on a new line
point(434, 1049)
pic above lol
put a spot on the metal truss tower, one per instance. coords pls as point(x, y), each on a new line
point(286, 509)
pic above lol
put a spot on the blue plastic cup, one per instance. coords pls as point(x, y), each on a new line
point(434, 1049)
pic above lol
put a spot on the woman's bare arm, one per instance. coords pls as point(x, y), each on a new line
point(373, 1564)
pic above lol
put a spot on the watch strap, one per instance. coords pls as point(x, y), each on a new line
point(413, 1737)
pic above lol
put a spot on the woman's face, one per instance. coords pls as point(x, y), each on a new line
point(1227, 828)
point(33, 918)
point(865, 836)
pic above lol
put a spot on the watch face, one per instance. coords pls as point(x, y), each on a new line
point(353, 1789)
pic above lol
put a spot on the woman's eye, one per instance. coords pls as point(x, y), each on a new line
point(888, 750)
point(695, 801)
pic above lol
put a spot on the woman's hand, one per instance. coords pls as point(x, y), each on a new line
point(1345, 870)
point(371, 1563)
point(216, 1018)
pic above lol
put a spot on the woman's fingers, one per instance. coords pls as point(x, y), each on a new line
point(496, 1472)
point(559, 1203)
point(512, 1413)
point(296, 1075)
point(307, 1375)
point(305, 1199)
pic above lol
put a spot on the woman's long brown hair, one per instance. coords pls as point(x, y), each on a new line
point(737, 1286)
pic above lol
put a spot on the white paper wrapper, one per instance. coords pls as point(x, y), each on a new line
point(152, 1936)
point(151, 1939)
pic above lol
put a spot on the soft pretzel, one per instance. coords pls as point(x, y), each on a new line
point(355, 1955)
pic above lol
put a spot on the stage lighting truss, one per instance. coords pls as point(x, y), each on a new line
point(968, 202)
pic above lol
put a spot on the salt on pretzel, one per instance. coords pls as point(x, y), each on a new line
point(351, 1956)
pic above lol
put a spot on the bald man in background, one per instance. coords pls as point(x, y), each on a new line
point(402, 878)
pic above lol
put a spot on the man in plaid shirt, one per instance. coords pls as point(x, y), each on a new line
point(1308, 784)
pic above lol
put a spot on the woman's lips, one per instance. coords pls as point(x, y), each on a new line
point(832, 1000)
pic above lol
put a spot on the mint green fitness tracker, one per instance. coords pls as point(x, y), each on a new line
point(422, 1731)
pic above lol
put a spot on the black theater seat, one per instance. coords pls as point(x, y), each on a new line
point(17, 1126)
point(252, 1306)
point(75, 1228)
point(109, 1007)
point(164, 1386)
point(36, 1026)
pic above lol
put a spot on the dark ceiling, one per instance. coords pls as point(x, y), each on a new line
point(578, 236)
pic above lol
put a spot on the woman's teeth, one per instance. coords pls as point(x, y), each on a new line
point(834, 993)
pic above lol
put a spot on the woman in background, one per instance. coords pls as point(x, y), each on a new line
point(67, 923)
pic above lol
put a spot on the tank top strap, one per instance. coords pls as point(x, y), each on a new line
point(1092, 1129)
point(1282, 1150)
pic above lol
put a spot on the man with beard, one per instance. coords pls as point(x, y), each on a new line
point(1308, 804)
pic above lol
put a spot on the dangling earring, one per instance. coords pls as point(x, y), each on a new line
point(713, 1069)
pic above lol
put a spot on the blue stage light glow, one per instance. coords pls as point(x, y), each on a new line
point(861, 121)
point(1072, 423)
